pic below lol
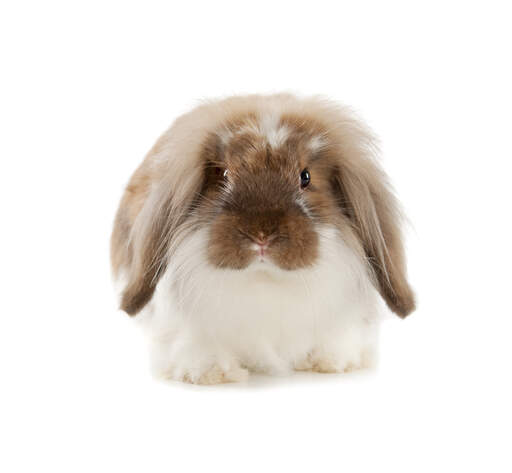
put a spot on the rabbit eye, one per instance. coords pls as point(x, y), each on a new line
point(221, 172)
point(305, 178)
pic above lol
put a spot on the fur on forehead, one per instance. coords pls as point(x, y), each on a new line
point(268, 120)
point(271, 129)
point(277, 145)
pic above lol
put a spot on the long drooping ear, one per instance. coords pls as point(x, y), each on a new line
point(151, 218)
point(375, 214)
point(148, 243)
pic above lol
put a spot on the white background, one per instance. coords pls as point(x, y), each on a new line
point(87, 87)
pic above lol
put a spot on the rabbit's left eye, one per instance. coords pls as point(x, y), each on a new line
point(305, 178)
point(221, 172)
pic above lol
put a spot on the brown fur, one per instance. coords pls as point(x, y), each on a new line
point(261, 205)
point(171, 193)
point(131, 204)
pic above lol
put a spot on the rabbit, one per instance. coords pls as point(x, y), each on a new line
point(260, 234)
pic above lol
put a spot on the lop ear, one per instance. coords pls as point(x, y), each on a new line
point(148, 244)
point(150, 219)
point(375, 214)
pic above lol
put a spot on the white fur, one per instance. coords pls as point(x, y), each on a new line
point(270, 129)
point(267, 127)
point(300, 202)
point(208, 325)
point(317, 143)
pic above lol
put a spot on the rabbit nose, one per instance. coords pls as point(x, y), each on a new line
point(262, 239)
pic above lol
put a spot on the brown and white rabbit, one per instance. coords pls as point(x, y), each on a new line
point(255, 236)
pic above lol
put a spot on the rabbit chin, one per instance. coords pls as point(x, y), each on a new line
point(209, 325)
point(261, 266)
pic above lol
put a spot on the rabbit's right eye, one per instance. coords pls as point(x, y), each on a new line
point(225, 173)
